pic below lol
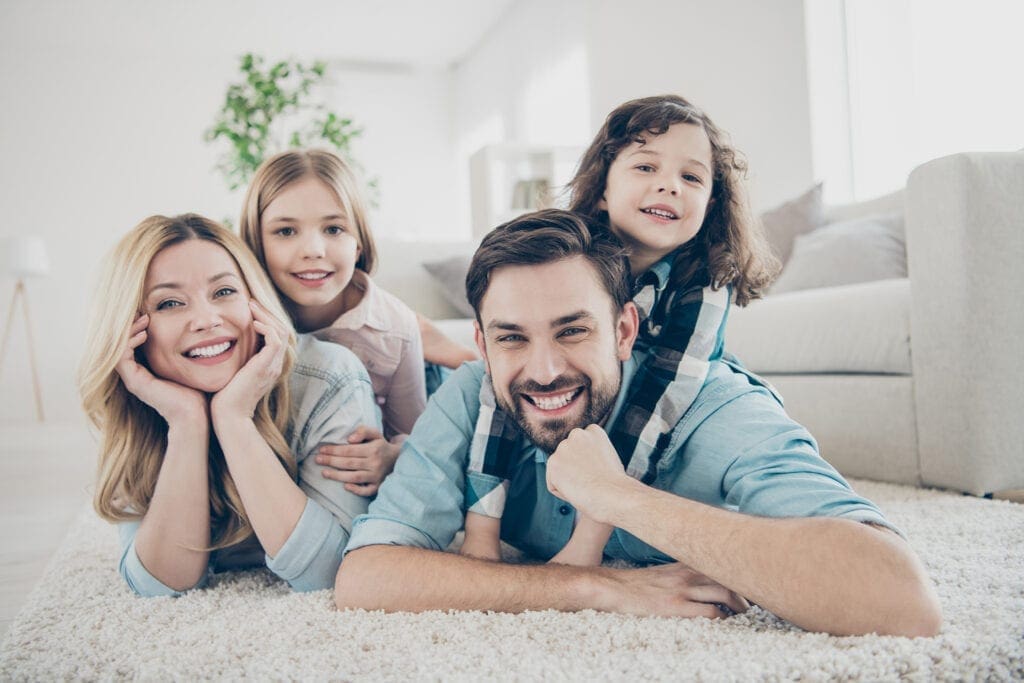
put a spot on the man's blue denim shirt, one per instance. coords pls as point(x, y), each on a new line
point(734, 449)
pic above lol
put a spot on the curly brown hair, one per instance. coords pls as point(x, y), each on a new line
point(730, 248)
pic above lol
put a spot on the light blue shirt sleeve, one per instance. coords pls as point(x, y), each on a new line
point(135, 574)
point(770, 467)
point(420, 503)
point(331, 396)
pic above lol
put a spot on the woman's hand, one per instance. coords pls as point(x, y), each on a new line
point(259, 374)
point(174, 402)
point(363, 463)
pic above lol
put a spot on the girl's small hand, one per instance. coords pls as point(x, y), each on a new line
point(363, 463)
point(174, 402)
point(260, 373)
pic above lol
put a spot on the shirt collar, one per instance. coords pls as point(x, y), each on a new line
point(368, 312)
point(656, 275)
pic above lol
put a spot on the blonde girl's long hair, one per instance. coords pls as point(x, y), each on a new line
point(133, 436)
point(282, 170)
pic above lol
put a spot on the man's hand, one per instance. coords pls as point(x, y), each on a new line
point(585, 471)
point(363, 463)
point(669, 590)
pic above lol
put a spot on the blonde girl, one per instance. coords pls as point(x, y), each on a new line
point(305, 219)
point(209, 412)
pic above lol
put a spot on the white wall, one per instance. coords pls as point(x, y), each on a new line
point(525, 82)
point(742, 62)
point(407, 144)
point(900, 82)
point(99, 132)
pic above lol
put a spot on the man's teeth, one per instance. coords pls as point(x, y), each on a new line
point(209, 351)
point(553, 402)
point(660, 213)
point(311, 276)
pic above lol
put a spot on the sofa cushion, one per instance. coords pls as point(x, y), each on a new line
point(863, 327)
point(785, 222)
point(889, 203)
point(450, 274)
point(399, 271)
point(857, 250)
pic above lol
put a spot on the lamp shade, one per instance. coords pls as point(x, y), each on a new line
point(25, 256)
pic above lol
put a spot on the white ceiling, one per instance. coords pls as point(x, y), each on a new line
point(418, 33)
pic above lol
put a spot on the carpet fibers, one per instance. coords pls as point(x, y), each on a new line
point(82, 622)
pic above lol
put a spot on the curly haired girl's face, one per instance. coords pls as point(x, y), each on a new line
point(200, 329)
point(657, 192)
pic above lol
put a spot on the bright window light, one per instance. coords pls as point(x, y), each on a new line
point(895, 83)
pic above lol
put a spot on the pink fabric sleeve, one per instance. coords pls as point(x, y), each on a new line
point(407, 395)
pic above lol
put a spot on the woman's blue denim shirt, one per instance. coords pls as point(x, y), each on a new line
point(331, 395)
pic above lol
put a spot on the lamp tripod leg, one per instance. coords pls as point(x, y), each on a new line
point(10, 318)
point(32, 353)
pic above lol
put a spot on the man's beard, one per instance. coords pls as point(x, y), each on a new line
point(547, 434)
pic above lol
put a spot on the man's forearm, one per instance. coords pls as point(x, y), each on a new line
point(397, 578)
point(823, 574)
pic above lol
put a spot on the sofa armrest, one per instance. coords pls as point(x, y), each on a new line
point(965, 250)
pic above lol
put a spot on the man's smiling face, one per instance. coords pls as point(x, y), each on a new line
point(553, 346)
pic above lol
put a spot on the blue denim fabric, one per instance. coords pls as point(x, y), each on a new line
point(331, 395)
point(735, 449)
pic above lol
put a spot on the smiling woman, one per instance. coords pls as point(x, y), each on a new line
point(206, 406)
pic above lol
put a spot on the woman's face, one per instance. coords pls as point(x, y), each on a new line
point(200, 329)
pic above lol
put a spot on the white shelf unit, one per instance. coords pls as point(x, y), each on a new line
point(496, 170)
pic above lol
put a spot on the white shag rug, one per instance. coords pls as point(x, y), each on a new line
point(82, 622)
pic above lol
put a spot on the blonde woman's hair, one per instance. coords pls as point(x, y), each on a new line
point(133, 436)
point(281, 170)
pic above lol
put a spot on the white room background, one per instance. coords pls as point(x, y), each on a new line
point(106, 101)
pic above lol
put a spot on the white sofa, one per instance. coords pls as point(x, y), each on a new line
point(916, 380)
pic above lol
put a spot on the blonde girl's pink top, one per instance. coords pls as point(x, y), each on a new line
point(383, 333)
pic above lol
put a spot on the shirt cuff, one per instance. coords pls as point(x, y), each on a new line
point(310, 558)
point(383, 531)
point(142, 582)
point(866, 516)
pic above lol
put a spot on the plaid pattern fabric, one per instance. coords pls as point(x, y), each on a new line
point(683, 334)
point(492, 454)
point(682, 343)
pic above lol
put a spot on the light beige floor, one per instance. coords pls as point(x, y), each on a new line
point(45, 478)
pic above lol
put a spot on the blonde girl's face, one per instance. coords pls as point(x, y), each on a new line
point(657, 193)
point(200, 330)
point(310, 248)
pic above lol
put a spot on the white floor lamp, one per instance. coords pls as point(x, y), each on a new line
point(24, 257)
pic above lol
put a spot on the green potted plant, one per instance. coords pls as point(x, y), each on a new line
point(274, 108)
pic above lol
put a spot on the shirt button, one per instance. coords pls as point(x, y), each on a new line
point(564, 510)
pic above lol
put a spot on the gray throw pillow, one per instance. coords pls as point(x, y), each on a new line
point(450, 274)
point(786, 222)
point(857, 250)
